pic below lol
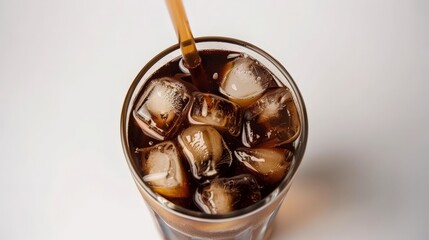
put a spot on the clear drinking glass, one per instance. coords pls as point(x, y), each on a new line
point(254, 222)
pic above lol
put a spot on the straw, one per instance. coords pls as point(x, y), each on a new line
point(184, 34)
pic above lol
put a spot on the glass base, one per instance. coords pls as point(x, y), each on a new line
point(261, 232)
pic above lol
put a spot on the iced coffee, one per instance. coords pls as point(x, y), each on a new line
point(214, 150)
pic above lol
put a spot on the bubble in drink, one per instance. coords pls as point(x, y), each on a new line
point(272, 120)
point(163, 171)
point(205, 150)
point(224, 195)
point(210, 109)
point(245, 80)
point(270, 165)
point(161, 108)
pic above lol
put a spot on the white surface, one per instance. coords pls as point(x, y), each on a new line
point(362, 66)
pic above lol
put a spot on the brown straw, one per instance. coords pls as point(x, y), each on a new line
point(183, 31)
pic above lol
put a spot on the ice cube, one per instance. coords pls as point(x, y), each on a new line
point(271, 121)
point(209, 109)
point(270, 165)
point(163, 170)
point(245, 80)
point(205, 150)
point(162, 107)
point(224, 195)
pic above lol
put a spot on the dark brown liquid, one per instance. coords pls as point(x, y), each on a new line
point(213, 62)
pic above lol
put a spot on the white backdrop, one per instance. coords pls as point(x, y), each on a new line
point(362, 67)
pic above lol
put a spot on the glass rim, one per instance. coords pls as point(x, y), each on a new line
point(191, 214)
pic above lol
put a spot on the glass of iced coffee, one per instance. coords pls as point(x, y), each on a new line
point(214, 163)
